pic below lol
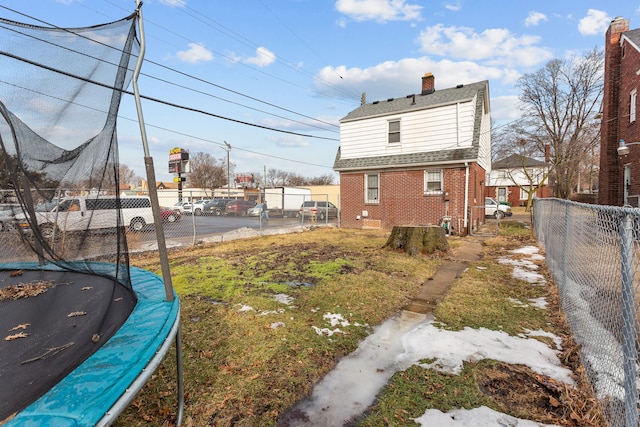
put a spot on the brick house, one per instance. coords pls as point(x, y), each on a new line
point(417, 159)
point(620, 168)
point(510, 175)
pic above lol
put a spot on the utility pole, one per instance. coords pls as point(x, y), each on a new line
point(228, 170)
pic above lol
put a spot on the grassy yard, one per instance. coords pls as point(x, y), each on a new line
point(252, 310)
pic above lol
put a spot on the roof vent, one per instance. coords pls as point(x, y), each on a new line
point(375, 102)
point(459, 86)
point(390, 99)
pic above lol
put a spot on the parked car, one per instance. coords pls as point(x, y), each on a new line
point(77, 214)
point(180, 206)
point(170, 215)
point(238, 207)
point(495, 209)
point(318, 209)
point(215, 207)
point(256, 210)
point(197, 208)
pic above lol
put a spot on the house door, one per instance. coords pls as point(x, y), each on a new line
point(502, 194)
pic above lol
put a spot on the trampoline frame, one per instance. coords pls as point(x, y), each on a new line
point(122, 368)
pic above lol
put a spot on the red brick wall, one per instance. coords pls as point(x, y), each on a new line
point(402, 199)
point(630, 131)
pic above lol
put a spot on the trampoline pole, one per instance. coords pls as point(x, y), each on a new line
point(148, 162)
point(179, 376)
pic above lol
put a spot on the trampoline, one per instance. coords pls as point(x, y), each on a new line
point(83, 331)
point(92, 383)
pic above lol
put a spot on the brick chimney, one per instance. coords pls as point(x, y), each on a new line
point(428, 84)
point(610, 180)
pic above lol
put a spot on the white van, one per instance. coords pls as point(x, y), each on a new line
point(93, 213)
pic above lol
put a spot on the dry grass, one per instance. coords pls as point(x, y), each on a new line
point(246, 366)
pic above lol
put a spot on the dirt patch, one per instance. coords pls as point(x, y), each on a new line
point(517, 389)
point(521, 392)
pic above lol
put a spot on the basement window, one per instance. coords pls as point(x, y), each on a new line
point(394, 131)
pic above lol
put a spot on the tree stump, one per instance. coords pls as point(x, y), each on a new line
point(416, 240)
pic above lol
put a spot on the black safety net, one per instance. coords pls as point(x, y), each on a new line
point(65, 285)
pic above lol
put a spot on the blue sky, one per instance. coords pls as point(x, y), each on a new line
point(299, 66)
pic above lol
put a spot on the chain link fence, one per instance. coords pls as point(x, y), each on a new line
point(188, 223)
point(593, 253)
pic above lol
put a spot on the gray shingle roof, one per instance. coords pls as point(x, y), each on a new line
point(515, 161)
point(406, 104)
point(634, 36)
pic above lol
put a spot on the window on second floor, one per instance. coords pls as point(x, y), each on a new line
point(394, 131)
point(632, 105)
point(372, 188)
point(433, 181)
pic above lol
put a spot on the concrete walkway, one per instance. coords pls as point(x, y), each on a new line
point(434, 290)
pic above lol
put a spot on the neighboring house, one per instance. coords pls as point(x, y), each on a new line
point(510, 179)
point(415, 160)
point(619, 179)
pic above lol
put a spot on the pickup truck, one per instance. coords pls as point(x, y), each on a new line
point(494, 209)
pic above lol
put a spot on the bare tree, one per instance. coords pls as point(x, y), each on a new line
point(127, 176)
point(559, 104)
point(321, 180)
point(206, 172)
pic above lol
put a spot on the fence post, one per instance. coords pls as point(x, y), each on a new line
point(565, 252)
point(629, 336)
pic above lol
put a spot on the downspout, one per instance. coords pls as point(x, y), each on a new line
point(466, 194)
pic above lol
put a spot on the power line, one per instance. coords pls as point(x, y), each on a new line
point(197, 79)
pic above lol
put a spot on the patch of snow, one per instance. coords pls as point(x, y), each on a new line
point(477, 417)
point(540, 302)
point(517, 302)
point(402, 341)
point(284, 299)
point(244, 308)
point(526, 250)
point(540, 333)
point(336, 319)
point(524, 263)
point(267, 312)
point(528, 276)
point(276, 325)
point(326, 331)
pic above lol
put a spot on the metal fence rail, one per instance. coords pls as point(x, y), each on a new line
point(593, 253)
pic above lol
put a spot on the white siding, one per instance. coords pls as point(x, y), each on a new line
point(484, 149)
point(440, 128)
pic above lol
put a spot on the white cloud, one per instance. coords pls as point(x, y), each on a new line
point(400, 78)
point(497, 46)
point(595, 23)
point(196, 53)
point(453, 6)
point(174, 3)
point(534, 19)
point(379, 10)
point(504, 108)
point(263, 57)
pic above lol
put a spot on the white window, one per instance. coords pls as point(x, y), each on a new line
point(433, 181)
point(632, 106)
point(524, 193)
point(372, 188)
point(394, 131)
